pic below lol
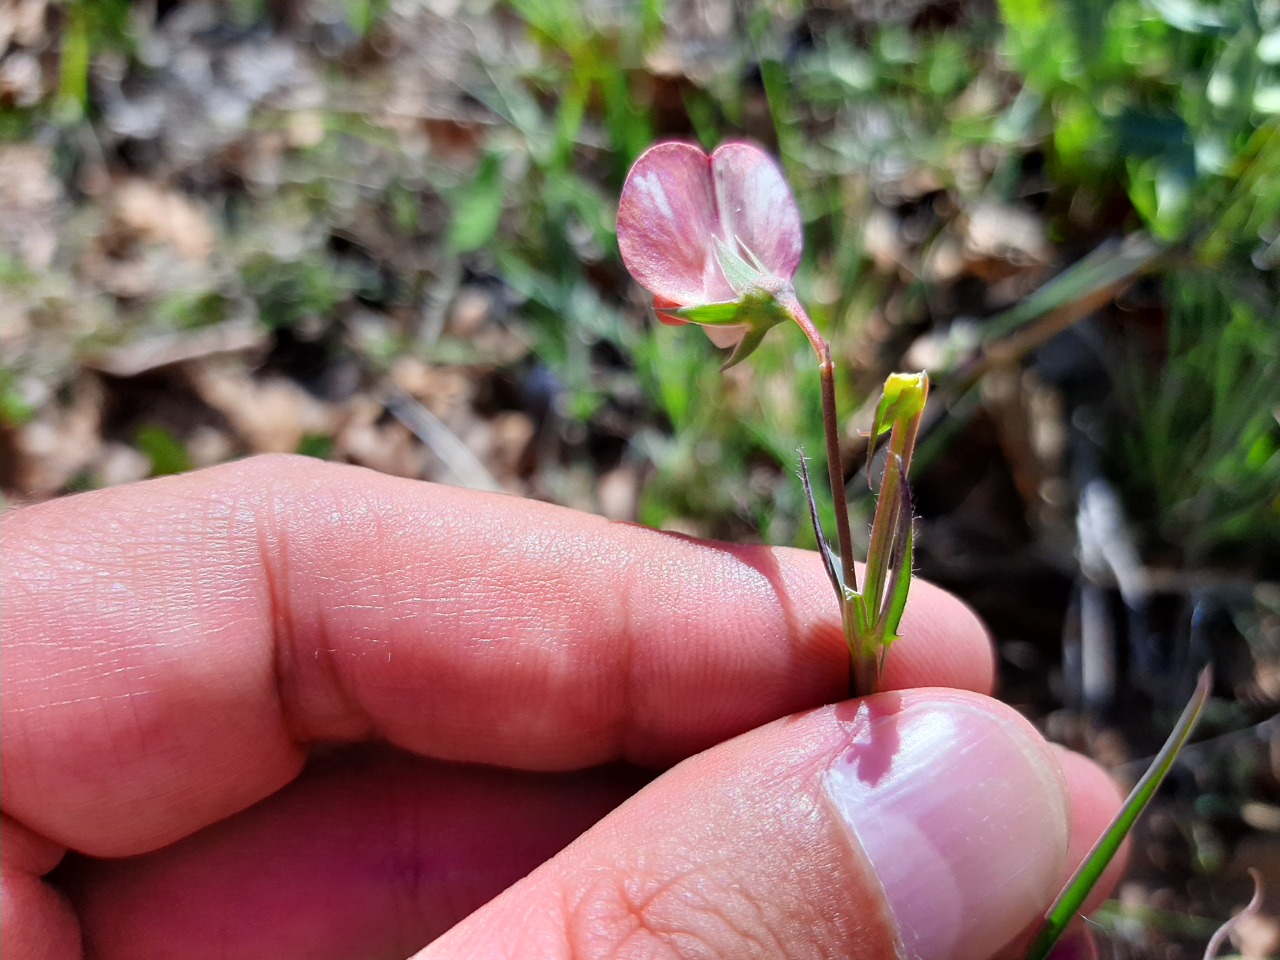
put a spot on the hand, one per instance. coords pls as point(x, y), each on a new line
point(175, 652)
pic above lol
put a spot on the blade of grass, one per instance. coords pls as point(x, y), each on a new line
point(1107, 269)
point(900, 580)
point(829, 560)
point(1077, 889)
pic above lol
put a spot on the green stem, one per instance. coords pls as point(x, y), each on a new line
point(864, 672)
point(887, 522)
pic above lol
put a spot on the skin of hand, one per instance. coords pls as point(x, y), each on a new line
point(282, 708)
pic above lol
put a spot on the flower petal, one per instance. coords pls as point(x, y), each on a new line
point(755, 205)
point(660, 305)
point(725, 336)
point(666, 219)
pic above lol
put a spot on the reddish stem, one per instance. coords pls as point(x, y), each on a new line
point(831, 428)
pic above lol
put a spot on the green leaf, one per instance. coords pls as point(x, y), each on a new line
point(477, 208)
point(1107, 266)
point(168, 455)
point(1086, 877)
point(746, 346)
point(829, 560)
point(740, 274)
point(73, 80)
point(900, 579)
point(902, 399)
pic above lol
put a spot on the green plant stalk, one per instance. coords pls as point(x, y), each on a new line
point(864, 672)
point(1073, 895)
point(869, 618)
point(887, 522)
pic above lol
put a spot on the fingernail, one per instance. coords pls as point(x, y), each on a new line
point(961, 815)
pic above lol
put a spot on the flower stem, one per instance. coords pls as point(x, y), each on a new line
point(788, 300)
point(835, 469)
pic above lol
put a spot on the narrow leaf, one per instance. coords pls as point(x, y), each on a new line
point(828, 558)
point(740, 274)
point(1110, 266)
point(885, 539)
point(900, 580)
point(746, 346)
point(879, 426)
point(1086, 877)
point(477, 208)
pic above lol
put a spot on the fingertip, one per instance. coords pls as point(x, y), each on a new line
point(943, 643)
point(282, 600)
point(930, 823)
point(1076, 944)
point(369, 853)
point(36, 922)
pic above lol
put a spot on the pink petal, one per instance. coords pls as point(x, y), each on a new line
point(660, 306)
point(755, 206)
point(666, 219)
point(725, 336)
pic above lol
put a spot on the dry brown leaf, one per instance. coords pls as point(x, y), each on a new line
point(271, 414)
point(119, 463)
point(469, 312)
point(21, 79)
point(511, 434)
point(60, 443)
point(29, 193)
point(148, 212)
point(446, 391)
point(619, 493)
point(164, 349)
point(386, 446)
point(1006, 233)
point(22, 23)
point(208, 445)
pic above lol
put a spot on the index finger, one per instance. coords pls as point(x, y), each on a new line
point(172, 648)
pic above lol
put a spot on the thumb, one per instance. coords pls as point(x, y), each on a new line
point(931, 824)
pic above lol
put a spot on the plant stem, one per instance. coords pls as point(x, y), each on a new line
point(864, 668)
point(835, 471)
point(831, 428)
point(869, 618)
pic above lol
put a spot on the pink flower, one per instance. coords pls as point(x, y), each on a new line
point(678, 202)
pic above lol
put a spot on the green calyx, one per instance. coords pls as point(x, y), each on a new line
point(757, 308)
